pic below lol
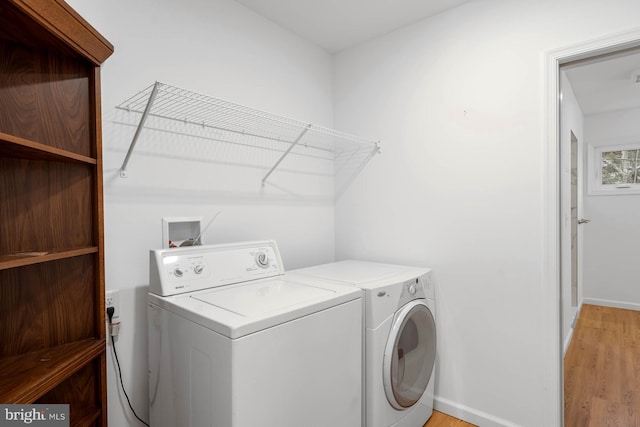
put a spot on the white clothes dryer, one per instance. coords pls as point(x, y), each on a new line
point(399, 338)
point(236, 342)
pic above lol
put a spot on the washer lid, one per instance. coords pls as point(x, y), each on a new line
point(261, 298)
point(241, 309)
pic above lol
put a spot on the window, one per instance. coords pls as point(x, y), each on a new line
point(615, 169)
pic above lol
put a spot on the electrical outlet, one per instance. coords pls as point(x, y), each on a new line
point(113, 300)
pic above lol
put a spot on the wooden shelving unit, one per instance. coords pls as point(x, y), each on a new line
point(52, 341)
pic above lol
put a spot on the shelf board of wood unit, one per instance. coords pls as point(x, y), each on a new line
point(22, 259)
point(26, 377)
point(84, 416)
point(25, 149)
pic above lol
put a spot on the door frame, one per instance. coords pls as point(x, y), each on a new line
point(554, 380)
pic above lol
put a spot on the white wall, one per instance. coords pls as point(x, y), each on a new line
point(611, 239)
point(571, 120)
point(219, 48)
point(458, 103)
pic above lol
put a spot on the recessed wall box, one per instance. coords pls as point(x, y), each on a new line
point(182, 231)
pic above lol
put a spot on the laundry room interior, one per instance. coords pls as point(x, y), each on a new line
point(455, 169)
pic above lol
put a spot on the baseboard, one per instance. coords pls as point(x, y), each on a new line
point(566, 343)
point(567, 340)
point(611, 303)
point(468, 414)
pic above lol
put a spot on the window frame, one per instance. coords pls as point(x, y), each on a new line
point(594, 168)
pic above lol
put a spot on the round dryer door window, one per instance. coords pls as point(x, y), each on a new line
point(409, 355)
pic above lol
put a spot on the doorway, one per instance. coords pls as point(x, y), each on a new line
point(604, 93)
point(559, 226)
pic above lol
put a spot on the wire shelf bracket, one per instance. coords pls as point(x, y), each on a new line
point(285, 154)
point(231, 122)
point(143, 119)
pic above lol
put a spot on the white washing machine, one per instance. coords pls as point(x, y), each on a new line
point(399, 336)
point(236, 342)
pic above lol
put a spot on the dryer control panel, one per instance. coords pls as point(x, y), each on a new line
point(179, 270)
point(419, 287)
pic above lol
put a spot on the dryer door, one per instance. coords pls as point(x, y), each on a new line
point(409, 355)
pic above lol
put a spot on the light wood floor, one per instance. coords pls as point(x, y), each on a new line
point(602, 372)
point(602, 369)
point(439, 419)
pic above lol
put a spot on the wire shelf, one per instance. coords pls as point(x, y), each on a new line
point(203, 116)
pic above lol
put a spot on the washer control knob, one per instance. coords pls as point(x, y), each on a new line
point(412, 289)
point(198, 269)
point(262, 260)
point(178, 272)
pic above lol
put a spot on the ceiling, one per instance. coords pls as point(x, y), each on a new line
point(606, 83)
point(335, 25)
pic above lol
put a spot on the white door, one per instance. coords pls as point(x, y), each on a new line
point(571, 206)
point(575, 240)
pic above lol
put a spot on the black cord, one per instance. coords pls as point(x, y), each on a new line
point(110, 311)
